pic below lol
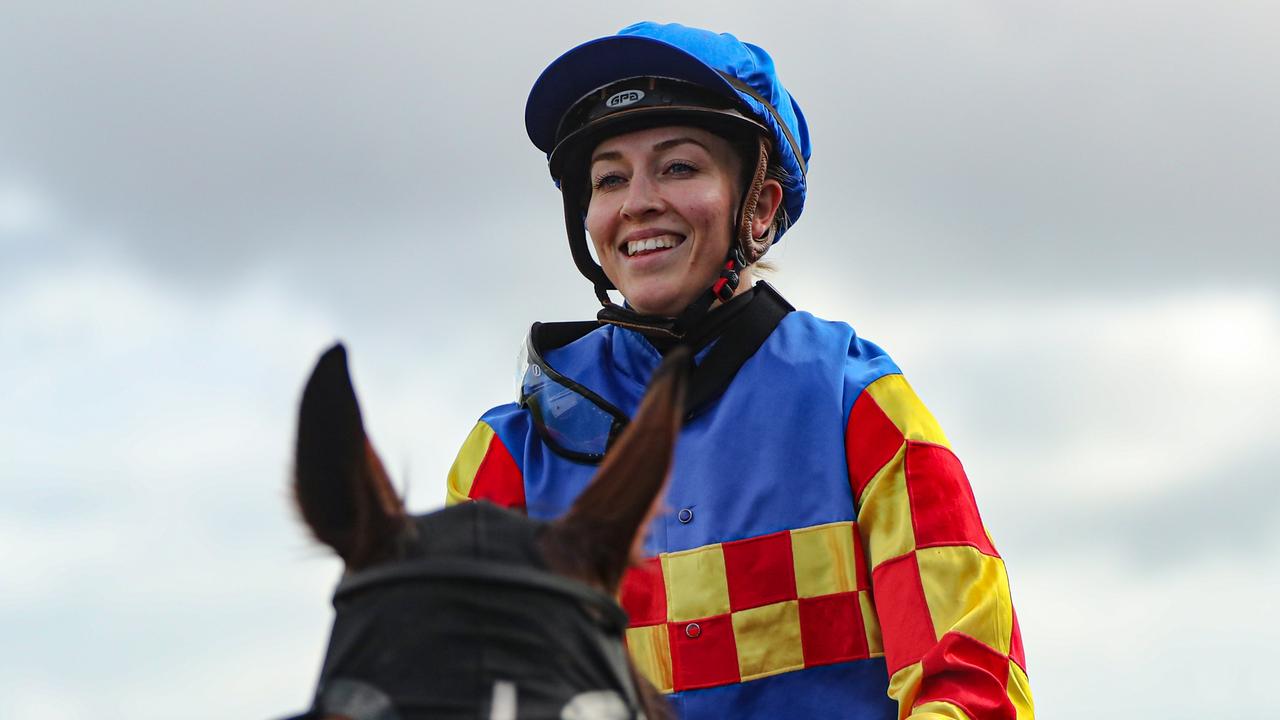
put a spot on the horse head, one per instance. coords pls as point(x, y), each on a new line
point(474, 610)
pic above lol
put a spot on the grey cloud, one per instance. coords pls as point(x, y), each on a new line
point(203, 138)
point(1233, 512)
point(987, 149)
point(1090, 144)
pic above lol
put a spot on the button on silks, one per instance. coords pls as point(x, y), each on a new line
point(685, 515)
point(692, 630)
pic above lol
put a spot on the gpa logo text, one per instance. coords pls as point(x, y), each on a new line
point(624, 98)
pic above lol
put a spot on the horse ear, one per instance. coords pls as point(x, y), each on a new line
point(601, 535)
point(340, 485)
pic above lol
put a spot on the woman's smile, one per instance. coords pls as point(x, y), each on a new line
point(648, 245)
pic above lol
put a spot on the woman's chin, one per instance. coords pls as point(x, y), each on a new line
point(658, 302)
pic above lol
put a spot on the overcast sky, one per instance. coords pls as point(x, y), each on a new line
point(1061, 222)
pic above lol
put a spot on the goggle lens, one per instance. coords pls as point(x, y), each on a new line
point(568, 421)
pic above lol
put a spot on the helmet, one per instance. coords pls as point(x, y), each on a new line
point(649, 75)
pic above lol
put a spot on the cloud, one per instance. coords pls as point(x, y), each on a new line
point(145, 514)
point(1105, 641)
point(1093, 145)
point(1137, 425)
point(22, 210)
point(144, 511)
point(1059, 221)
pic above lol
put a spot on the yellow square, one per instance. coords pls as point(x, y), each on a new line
point(871, 621)
point(885, 514)
point(824, 559)
point(463, 473)
point(650, 648)
point(904, 686)
point(768, 639)
point(1020, 693)
point(969, 592)
point(898, 401)
point(696, 584)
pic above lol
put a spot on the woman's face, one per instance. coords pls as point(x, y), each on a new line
point(661, 212)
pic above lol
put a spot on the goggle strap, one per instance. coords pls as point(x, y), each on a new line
point(651, 326)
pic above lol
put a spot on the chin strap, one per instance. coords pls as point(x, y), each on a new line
point(727, 285)
point(663, 328)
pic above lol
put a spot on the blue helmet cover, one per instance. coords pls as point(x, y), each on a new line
point(717, 61)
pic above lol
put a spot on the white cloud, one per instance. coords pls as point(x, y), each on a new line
point(44, 700)
point(144, 511)
point(1096, 397)
point(144, 507)
point(1105, 641)
point(23, 211)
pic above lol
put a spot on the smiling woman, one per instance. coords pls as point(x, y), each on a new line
point(820, 553)
point(660, 214)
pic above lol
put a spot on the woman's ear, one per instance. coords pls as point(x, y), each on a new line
point(766, 207)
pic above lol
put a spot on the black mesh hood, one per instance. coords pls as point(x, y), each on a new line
point(472, 618)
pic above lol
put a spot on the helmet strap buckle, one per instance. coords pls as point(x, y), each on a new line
point(725, 288)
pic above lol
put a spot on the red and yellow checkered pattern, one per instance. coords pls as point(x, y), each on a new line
point(747, 609)
point(951, 639)
point(917, 569)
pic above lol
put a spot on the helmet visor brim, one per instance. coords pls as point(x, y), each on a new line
point(572, 151)
point(595, 64)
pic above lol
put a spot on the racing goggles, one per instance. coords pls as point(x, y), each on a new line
point(572, 420)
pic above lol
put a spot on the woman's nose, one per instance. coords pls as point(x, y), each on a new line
point(642, 197)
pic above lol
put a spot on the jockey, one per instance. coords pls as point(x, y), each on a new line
point(820, 551)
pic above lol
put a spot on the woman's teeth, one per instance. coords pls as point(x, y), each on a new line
point(639, 246)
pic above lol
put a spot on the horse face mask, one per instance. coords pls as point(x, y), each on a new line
point(475, 611)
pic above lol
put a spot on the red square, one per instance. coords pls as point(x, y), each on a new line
point(498, 479)
point(871, 441)
point(905, 622)
point(943, 510)
point(1016, 652)
point(703, 653)
point(759, 570)
point(970, 674)
point(644, 596)
point(831, 629)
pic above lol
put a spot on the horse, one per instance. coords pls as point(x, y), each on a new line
point(476, 611)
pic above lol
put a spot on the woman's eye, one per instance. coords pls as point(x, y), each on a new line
point(606, 181)
point(681, 168)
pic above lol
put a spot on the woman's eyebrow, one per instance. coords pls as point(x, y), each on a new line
point(673, 142)
point(607, 155)
point(658, 147)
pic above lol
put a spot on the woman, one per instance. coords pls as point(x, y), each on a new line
point(820, 552)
